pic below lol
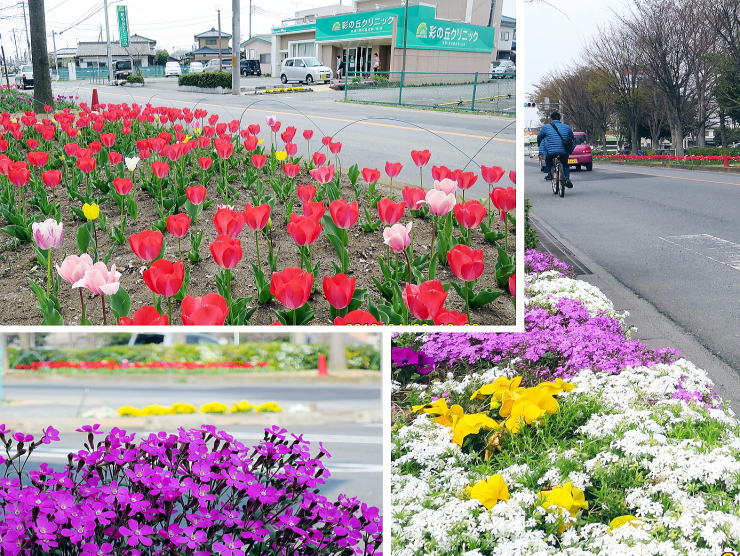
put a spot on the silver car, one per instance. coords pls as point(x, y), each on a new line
point(24, 77)
point(304, 70)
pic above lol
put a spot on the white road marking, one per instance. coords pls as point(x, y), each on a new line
point(714, 248)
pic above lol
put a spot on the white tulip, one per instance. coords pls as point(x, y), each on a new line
point(132, 162)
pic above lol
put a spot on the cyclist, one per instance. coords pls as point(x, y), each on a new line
point(556, 139)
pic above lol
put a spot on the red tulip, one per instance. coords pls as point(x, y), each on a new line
point(51, 178)
point(32, 144)
point(257, 217)
point(504, 199)
point(307, 134)
point(122, 186)
point(145, 316)
point(228, 222)
point(164, 277)
point(392, 169)
point(425, 300)
point(413, 196)
point(251, 143)
point(108, 139)
point(291, 149)
point(303, 229)
point(86, 164)
point(254, 129)
point(146, 245)
point(512, 285)
point(469, 214)
point(335, 148)
point(326, 140)
point(357, 317)
point(292, 287)
point(512, 176)
point(224, 148)
point(205, 162)
point(259, 160)
point(226, 251)
point(421, 158)
point(114, 158)
point(491, 174)
point(315, 210)
point(306, 192)
point(339, 290)
point(323, 174)
point(18, 173)
point(450, 318)
point(38, 159)
point(209, 310)
point(196, 194)
point(288, 134)
point(370, 175)
point(291, 170)
point(465, 180)
point(466, 263)
point(70, 149)
point(319, 159)
point(390, 212)
point(344, 214)
point(160, 169)
point(440, 172)
point(178, 224)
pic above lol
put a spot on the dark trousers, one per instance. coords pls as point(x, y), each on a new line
point(563, 160)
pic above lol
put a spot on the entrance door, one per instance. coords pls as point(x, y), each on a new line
point(350, 55)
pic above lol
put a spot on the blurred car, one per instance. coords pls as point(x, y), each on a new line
point(168, 339)
point(172, 68)
point(581, 155)
point(122, 69)
point(503, 70)
point(24, 77)
point(195, 67)
point(213, 65)
point(250, 67)
point(304, 70)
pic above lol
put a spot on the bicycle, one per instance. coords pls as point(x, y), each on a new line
point(558, 177)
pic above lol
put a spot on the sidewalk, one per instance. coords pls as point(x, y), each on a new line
point(653, 328)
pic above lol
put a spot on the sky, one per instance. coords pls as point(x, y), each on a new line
point(557, 34)
point(172, 23)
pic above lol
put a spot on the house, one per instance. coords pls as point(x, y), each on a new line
point(258, 48)
point(208, 46)
point(94, 54)
point(506, 43)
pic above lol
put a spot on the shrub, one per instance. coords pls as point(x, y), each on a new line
point(207, 80)
point(133, 78)
point(530, 234)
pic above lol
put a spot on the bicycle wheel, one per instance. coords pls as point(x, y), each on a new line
point(561, 189)
point(555, 178)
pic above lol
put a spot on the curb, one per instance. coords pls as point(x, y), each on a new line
point(720, 169)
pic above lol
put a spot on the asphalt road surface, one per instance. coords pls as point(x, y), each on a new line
point(670, 236)
point(356, 464)
point(371, 134)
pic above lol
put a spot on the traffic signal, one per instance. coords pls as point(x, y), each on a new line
point(530, 105)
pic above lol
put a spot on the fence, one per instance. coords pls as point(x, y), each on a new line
point(476, 92)
point(101, 74)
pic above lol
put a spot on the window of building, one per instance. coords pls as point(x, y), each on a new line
point(210, 41)
point(265, 58)
point(303, 49)
point(505, 35)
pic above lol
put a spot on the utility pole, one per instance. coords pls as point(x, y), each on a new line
point(107, 43)
point(405, 39)
point(235, 48)
point(39, 57)
point(250, 18)
point(218, 11)
point(25, 24)
point(7, 79)
point(54, 43)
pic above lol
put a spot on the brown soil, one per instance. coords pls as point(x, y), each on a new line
point(18, 264)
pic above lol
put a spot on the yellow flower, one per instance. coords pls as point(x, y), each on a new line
point(91, 211)
point(497, 389)
point(526, 405)
point(62, 157)
point(129, 411)
point(187, 138)
point(243, 407)
point(554, 388)
point(568, 497)
point(281, 155)
point(443, 415)
point(623, 520)
point(269, 407)
point(197, 131)
point(260, 141)
point(465, 425)
point(214, 407)
point(488, 492)
point(183, 408)
point(150, 410)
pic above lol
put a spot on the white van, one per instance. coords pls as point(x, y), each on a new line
point(172, 68)
point(195, 67)
point(304, 70)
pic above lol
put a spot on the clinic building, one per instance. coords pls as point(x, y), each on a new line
point(442, 36)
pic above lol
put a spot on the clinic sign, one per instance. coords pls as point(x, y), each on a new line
point(356, 26)
point(122, 16)
point(293, 29)
point(434, 34)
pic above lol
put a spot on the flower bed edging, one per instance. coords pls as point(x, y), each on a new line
point(208, 91)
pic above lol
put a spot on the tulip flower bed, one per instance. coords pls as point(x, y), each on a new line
point(569, 438)
point(198, 491)
point(699, 160)
point(169, 216)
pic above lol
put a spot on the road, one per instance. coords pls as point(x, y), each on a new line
point(356, 449)
point(670, 236)
point(371, 134)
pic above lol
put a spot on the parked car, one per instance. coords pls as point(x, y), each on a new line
point(581, 155)
point(195, 67)
point(122, 69)
point(172, 68)
point(250, 67)
point(213, 65)
point(304, 70)
point(24, 77)
point(167, 339)
point(503, 70)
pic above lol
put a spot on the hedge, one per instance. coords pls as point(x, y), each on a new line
point(279, 355)
point(207, 80)
point(135, 79)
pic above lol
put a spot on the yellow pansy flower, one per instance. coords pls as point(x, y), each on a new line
point(566, 496)
point(464, 425)
point(91, 211)
point(553, 388)
point(281, 155)
point(489, 491)
point(617, 522)
point(497, 389)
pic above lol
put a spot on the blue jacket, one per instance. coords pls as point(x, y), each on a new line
point(549, 141)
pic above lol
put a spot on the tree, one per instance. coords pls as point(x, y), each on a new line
point(161, 57)
point(39, 57)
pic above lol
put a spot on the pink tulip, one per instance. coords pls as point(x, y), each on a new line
point(447, 185)
point(74, 267)
point(440, 202)
point(99, 280)
point(48, 234)
point(398, 237)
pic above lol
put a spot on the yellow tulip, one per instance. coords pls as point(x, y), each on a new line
point(91, 211)
point(489, 491)
point(623, 520)
point(197, 131)
point(281, 155)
